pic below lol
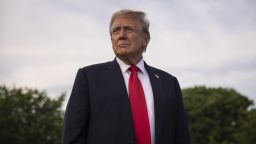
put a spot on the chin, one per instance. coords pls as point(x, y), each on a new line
point(121, 51)
point(122, 54)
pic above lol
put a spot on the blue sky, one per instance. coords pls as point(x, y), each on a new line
point(201, 42)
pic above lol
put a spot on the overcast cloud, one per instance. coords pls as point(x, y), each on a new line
point(202, 42)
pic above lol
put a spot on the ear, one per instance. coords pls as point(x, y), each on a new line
point(146, 40)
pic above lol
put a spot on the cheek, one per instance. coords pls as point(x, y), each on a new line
point(139, 42)
point(113, 42)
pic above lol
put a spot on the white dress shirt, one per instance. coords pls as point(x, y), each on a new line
point(145, 81)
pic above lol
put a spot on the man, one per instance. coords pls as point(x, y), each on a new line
point(125, 101)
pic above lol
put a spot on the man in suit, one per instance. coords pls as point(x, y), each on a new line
point(125, 101)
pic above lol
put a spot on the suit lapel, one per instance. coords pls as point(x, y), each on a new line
point(158, 94)
point(120, 93)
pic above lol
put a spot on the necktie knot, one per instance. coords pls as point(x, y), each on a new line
point(133, 69)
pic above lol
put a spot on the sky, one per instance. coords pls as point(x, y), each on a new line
point(202, 42)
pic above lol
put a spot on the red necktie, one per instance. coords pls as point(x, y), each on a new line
point(138, 108)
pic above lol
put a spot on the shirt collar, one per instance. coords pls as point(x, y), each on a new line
point(124, 67)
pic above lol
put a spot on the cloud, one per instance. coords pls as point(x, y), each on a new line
point(43, 43)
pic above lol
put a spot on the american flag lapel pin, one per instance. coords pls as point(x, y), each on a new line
point(156, 76)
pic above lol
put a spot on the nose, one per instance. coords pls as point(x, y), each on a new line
point(122, 34)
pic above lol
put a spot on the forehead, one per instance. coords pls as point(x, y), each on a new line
point(125, 21)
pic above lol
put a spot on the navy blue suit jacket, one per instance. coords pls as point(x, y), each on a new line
point(98, 111)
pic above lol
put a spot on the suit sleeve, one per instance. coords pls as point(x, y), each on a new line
point(182, 134)
point(75, 125)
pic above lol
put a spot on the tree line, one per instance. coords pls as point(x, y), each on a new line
point(215, 116)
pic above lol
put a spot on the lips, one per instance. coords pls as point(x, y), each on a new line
point(123, 45)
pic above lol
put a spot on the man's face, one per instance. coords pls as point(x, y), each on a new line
point(128, 39)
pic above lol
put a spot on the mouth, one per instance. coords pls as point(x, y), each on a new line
point(123, 45)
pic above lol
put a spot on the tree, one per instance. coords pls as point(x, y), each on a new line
point(218, 115)
point(29, 116)
point(248, 128)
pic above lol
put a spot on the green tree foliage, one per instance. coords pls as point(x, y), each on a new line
point(219, 116)
point(247, 134)
point(29, 116)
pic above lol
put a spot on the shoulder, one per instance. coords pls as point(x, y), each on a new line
point(156, 72)
point(159, 72)
point(95, 67)
point(92, 71)
point(166, 79)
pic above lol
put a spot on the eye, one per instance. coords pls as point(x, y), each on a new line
point(116, 30)
point(129, 29)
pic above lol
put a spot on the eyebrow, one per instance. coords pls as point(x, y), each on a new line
point(122, 27)
point(127, 25)
point(119, 27)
